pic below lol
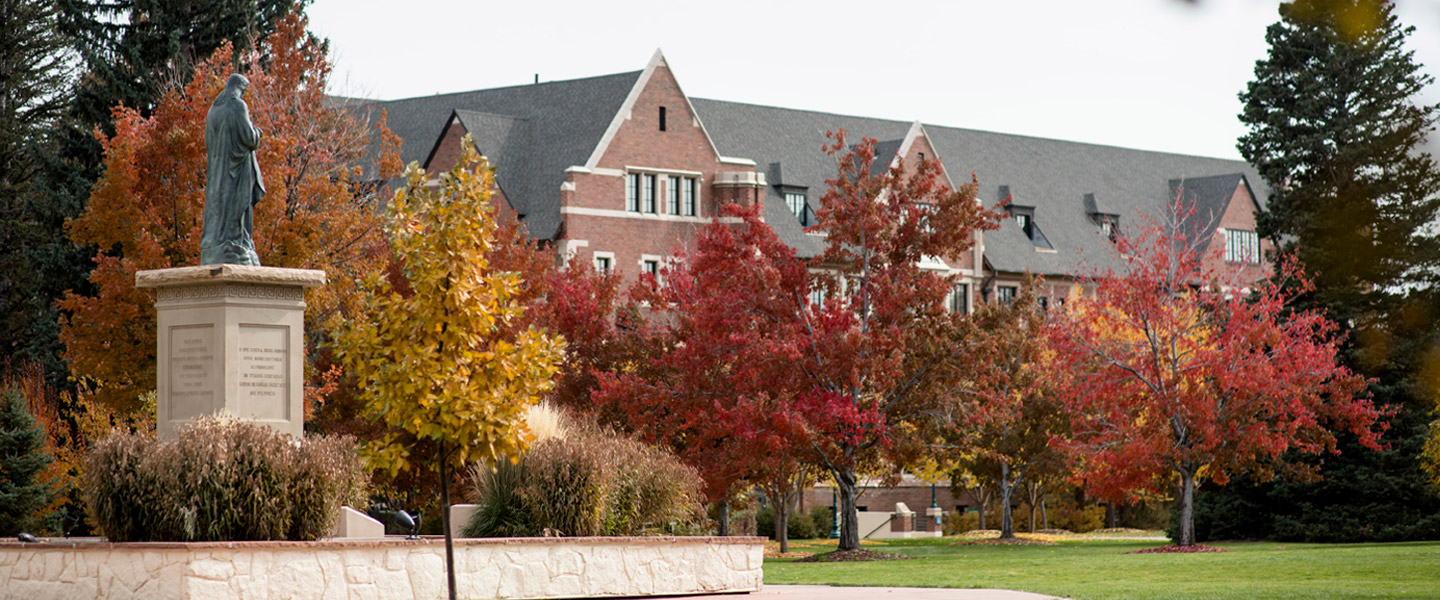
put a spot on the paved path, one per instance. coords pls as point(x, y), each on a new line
point(825, 592)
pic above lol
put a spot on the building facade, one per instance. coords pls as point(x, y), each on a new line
point(622, 170)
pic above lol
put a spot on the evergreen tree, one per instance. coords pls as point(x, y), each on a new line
point(1336, 130)
point(128, 52)
point(36, 67)
point(22, 457)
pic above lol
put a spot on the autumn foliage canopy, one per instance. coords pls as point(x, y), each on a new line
point(145, 212)
point(1172, 370)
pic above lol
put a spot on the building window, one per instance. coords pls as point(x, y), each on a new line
point(647, 193)
point(604, 262)
point(1242, 246)
point(1005, 294)
point(1023, 220)
point(959, 300)
point(926, 209)
point(689, 197)
point(651, 266)
point(632, 192)
point(662, 118)
point(672, 195)
point(817, 297)
point(1108, 229)
point(796, 202)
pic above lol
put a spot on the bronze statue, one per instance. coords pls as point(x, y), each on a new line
point(233, 185)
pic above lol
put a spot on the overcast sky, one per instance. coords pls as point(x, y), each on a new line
point(1150, 74)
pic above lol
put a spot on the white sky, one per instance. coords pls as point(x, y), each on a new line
point(1150, 74)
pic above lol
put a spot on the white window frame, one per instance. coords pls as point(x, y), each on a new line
point(956, 290)
point(796, 202)
point(672, 194)
point(649, 258)
point(1014, 291)
point(632, 192)
point(1242, 246)
point(690, 187)
point(607, 256)
point(649, 188)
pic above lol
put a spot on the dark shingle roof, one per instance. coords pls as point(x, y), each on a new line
point(792, 138)
point(1206, 198)
point(1051, 175)
point(531, 133)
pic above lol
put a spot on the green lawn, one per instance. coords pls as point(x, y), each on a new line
point(1100, 569)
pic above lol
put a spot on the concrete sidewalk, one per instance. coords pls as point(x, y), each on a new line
point(826, 592)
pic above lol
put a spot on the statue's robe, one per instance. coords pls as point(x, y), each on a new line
point(233, 184)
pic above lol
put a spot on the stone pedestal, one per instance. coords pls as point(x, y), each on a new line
point(230, 340)
point(934, 519)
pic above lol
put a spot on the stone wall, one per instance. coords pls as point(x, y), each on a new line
point(389, 569)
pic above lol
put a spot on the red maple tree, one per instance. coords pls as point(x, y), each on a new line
point(720, 391)
point(1173, 371)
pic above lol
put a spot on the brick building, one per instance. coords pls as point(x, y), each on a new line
point(621, 170)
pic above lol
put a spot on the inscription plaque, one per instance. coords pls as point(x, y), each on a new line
point(192, 371)
point(264, 372)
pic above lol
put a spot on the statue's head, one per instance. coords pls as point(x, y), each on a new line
point(235, 87)
point(238, 82)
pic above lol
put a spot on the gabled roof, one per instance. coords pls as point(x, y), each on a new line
point(1051, 175)
point(794, 139)
point(543, 129)
point(1206, 198)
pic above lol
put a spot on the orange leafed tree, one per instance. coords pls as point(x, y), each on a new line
point(319, 211)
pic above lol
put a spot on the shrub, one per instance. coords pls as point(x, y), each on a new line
point(799, 525)
point(585, 482)
point(221, 479)
point(22, 441)
point(824, 518)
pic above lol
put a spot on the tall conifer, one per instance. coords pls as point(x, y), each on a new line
point(1336, 129)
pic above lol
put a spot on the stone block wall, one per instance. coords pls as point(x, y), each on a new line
point(382, 569)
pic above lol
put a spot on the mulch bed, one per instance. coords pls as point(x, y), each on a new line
point(791, 554)
point(853, 556)
point(1173, 549)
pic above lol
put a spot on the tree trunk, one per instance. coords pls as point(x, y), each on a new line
point(1007, 514)
point(1044, 516)
point(722, 518)
point(849, 516)
point(445, 518)
point(1112, 518)
point(984, 495)
point(1032, 516)
point(1187, 508)
point(782, 524)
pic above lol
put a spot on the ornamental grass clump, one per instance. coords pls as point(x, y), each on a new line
point(221, 479)
point(585, 481)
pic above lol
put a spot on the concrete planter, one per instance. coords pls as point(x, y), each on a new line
point(386, 569)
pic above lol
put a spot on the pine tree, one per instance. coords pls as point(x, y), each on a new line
point(22, 458)
point(1336, 130)
point(35, 71)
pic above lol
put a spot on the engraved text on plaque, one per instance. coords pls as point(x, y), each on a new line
point(264, 371)
point(192, 371)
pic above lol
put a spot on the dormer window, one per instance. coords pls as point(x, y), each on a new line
point(1025, 218)
point(795, 201)
point(1109, 225)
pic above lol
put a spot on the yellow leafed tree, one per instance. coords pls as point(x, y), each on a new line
point(435, 347)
